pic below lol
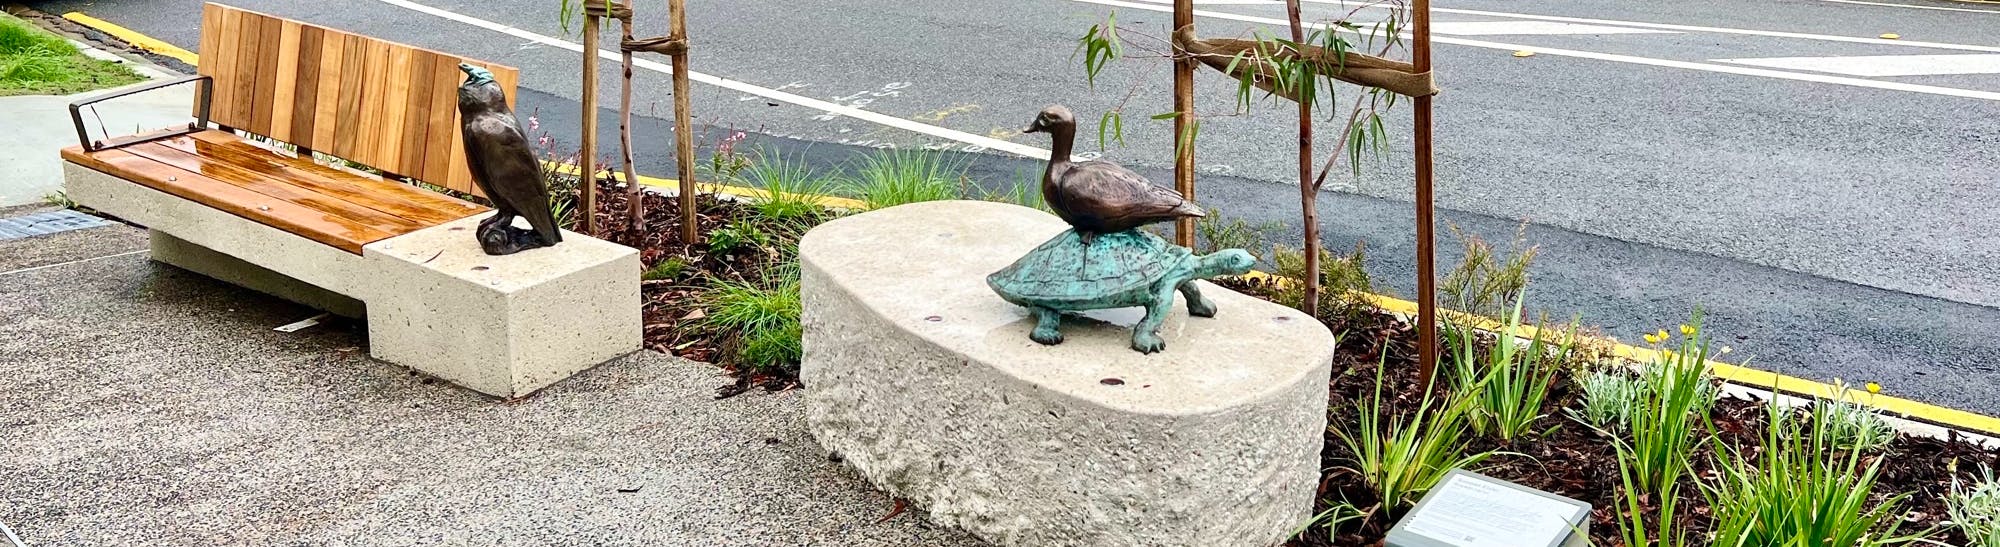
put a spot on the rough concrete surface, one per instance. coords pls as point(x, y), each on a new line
point(145, 405)
point(61, 247)
point(925, 381)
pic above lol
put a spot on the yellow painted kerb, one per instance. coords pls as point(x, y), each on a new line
point(130, 36)
point(1737, 374)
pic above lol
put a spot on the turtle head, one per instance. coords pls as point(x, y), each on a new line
point(1227, 262)
point(475, 75)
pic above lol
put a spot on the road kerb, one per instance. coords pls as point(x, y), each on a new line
point(133, 37)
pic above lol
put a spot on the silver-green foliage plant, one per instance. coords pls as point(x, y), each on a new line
point(1508, 380)
point(1975, 509)
point(1851, 427)
point(1214, 233)
point(1800, 490)
point(1609, 399)
point(896, 177)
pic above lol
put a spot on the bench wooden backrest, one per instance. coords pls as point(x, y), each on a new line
point(379, 103)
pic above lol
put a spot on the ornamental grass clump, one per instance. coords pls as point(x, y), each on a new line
point(1401, 457)
point(1507, 381)
point(792, 188)
point(1975, 509)
point(897, 177)
point(762, 317)
point(1673, 407)
point(1800, 490)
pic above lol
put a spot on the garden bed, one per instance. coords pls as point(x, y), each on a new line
point(732, 299)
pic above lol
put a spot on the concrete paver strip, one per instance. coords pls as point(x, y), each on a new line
point(147, 405)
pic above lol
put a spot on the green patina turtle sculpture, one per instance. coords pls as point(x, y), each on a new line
point(1115, 270)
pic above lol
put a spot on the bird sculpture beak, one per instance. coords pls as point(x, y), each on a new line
point(466, 68)
point(1031, 129)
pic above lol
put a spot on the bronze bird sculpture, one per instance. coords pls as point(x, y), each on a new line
point(1097, 196)
point(503, 165)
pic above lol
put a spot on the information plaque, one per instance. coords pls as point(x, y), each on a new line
point(1468, 509)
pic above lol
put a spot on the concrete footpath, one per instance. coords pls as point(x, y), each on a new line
point(145, 405)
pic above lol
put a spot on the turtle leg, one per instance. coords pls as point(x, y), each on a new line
point(1048, 323)
point(1146, 334)
point(1197, 305)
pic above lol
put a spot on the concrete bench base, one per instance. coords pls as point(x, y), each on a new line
point(927, 384)
point(504, 326)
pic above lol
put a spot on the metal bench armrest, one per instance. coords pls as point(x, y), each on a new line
point(205, 94)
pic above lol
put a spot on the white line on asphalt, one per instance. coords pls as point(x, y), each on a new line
point(1883, 65)
point(61, 264)
point(1705, 67)
point(1694, 28)
point(1939, 8)
point(1491, 28)
point(808, 102)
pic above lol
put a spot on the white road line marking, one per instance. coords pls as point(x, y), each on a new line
point(61, 264)
point(816, 104)
point(1705, 67)
point(1939, 8)
point(1883, 65)
point(1490, 28)
point(1221, 2)
point(1695, 28)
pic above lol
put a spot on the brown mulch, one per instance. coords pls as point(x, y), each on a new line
point(1575, 461)
point(672, 307)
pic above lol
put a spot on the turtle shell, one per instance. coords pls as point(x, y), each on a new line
point(1065, 271)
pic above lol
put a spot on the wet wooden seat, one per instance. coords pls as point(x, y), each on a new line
point(328, 205)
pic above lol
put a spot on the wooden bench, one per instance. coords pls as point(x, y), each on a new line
point(349, 240)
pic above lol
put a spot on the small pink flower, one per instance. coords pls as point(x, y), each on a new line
point(534, 124)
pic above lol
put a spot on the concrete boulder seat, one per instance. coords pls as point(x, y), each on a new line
point(349, 241)
point(923, 380)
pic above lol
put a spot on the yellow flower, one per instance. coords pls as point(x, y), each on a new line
point(1687, 330)
point(1652, 338)
point(1874, 387)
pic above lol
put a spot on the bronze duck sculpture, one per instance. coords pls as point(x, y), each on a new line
point(1097, 196)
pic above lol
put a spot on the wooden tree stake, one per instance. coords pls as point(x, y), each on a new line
point(683, 123)
point(586, 171)
point(1427, 343)
point(1184, 108)
point(635, 194)
point(1308, 191)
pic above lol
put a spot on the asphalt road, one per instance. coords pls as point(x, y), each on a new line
point(1832, 225)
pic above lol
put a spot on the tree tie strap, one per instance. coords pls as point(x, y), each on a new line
point(1366, 70)
point(614, 10)
point(667, 45)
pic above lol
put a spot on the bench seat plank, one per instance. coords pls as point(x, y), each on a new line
point(331, 206)
point(403, 200)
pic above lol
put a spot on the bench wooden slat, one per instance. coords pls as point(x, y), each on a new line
point(425, 207)
point(275, 187)
point(331, 230)
point(269, 41)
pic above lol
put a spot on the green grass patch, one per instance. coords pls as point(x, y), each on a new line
point(35, 62)
point(897, 177)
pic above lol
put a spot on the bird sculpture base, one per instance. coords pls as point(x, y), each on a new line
point(1077, 271)
point(500, 239)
